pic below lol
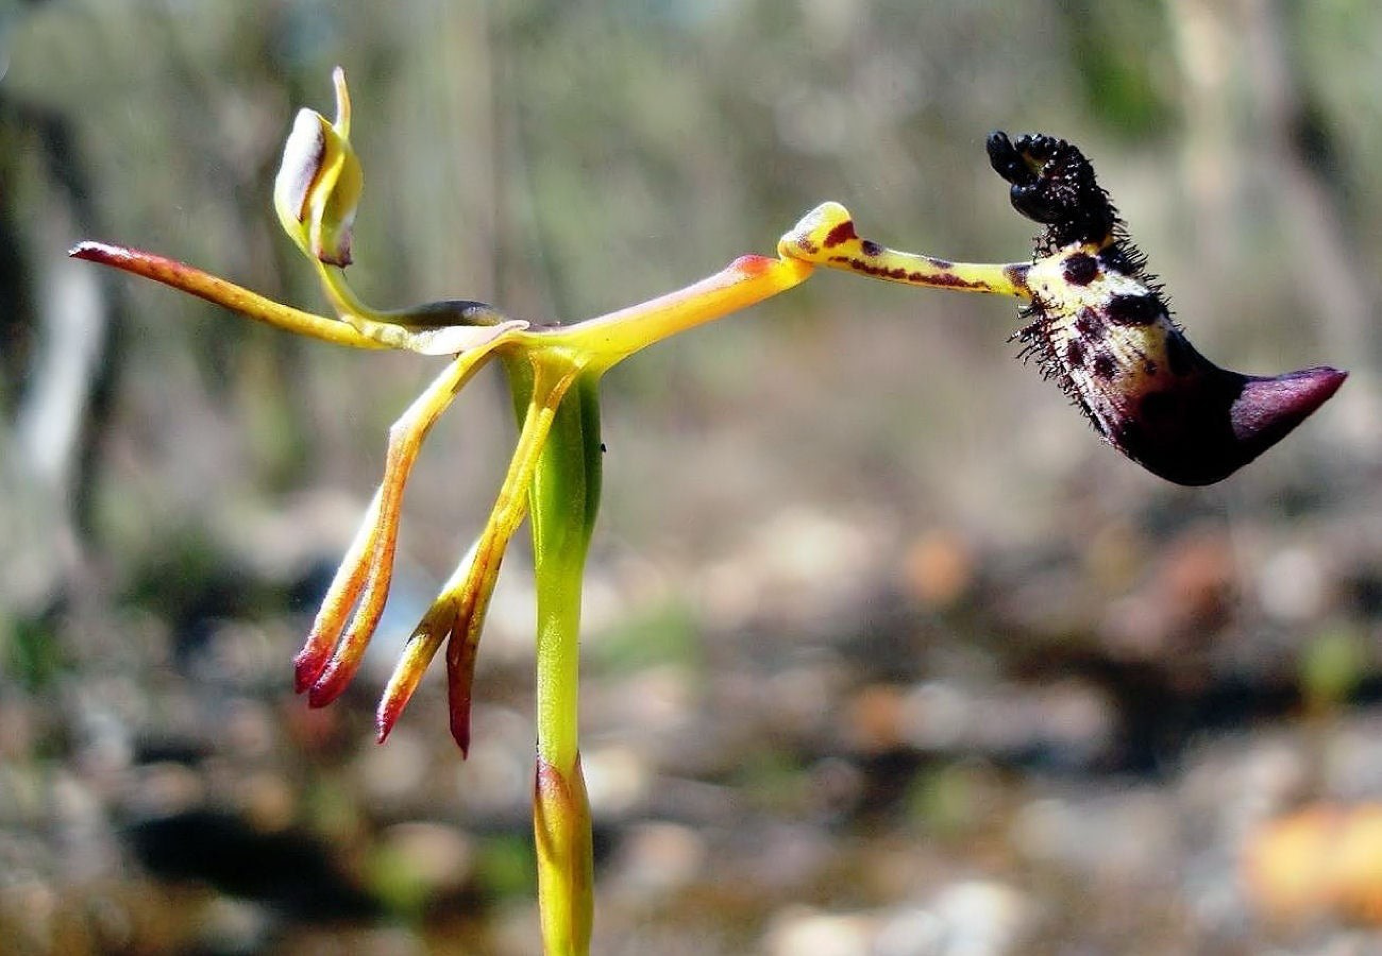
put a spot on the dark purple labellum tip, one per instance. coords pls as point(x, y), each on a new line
point(1268, 408)
point(1220, 420)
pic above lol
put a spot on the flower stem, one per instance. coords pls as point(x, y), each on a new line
point(565, 494)
point(542, 386)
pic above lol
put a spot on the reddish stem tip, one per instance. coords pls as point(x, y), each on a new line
point(332, 682)
point(308, 666)
point(386, 716)
point(93, 251)
point(460, 729)
point(752, 265)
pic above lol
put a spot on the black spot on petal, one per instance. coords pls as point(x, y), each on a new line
point(1115, 259)
point(1087, 322)
point(1080, 269)
point(1135, 309)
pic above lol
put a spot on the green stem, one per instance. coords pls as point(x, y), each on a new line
point(565, 494)
point(565, 497)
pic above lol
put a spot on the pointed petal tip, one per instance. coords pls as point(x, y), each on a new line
point(1219, 421)
point(328, 687)
point(460, 732)
point(307, 667)
point(93, 251)
point(390, 707)
point(1268, 408)
point(1321, 376)
point(460, 682)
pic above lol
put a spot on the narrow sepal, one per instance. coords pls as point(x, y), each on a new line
point(406, 676)
point(460, 684)
point(190, 279)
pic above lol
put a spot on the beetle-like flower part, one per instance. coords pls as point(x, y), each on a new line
point(1101, 327)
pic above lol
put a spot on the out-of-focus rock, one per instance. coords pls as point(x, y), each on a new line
point(416, 861)
point(984, 918)
point(1322, 862)
point(617, 780)
point(973, 918)
point(656, 859)
point(800, 930)
point(1293, 584)
point(938, 568)
point(1121, 839)
point(1184, 602)
point(391, 773)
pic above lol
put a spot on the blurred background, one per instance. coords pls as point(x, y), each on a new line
point(886, 652)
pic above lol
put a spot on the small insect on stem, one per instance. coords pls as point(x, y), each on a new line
point(1101, 328)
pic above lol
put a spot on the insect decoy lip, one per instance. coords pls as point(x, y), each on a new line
point(1102, 329)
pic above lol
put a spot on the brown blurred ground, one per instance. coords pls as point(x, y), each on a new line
point(886, 654)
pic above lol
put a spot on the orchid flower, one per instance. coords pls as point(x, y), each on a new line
point(1079, 287)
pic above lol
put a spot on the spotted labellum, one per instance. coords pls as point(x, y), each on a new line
point(1100, 327)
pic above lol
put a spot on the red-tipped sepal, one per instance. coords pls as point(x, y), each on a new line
point(412, 664)
point(460, 684)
